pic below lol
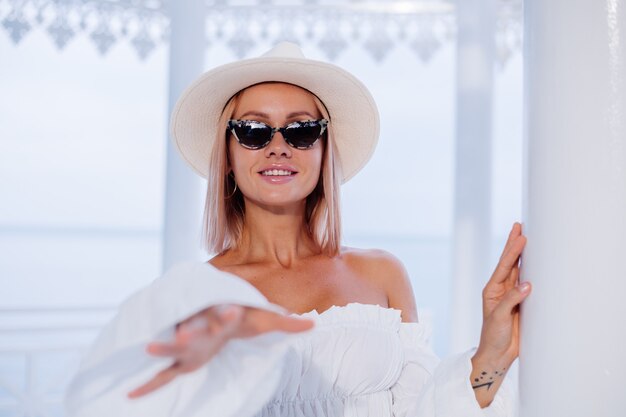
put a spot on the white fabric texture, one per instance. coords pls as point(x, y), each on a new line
point(358, 361)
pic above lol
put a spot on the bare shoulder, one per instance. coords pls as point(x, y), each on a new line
point(373, 263)
point(386, 270)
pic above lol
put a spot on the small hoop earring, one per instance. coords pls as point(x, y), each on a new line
point(233, 193)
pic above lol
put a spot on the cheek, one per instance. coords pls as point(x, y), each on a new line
point(319, 166)
point(316, 162)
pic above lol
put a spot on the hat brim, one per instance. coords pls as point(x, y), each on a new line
point(353, 112)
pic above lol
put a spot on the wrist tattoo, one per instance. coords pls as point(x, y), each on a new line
point(487, 379)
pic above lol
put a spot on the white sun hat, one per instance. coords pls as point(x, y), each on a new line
point(353, 112)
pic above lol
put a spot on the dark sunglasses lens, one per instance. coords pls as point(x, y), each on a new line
point(252, 135)
point(303, 135)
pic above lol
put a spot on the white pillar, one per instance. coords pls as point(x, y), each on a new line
point(572, 359)
point(472, 208)
point(183, 188)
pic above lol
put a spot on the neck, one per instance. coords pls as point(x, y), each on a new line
point(276, 236)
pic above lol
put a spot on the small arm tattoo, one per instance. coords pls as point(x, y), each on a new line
point(486, 380)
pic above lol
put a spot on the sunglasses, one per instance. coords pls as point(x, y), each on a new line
point(257, 135)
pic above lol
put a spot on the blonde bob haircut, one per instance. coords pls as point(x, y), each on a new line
point(224, 212)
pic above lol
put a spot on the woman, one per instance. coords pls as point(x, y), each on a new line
point(289, 131)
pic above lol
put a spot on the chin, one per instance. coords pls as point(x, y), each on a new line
point(278, 201)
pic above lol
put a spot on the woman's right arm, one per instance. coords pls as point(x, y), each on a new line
point(169, 309)
point(199, 338)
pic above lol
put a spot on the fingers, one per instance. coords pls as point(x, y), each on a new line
point(201, 336)
point(513, 276)
point(160, 379)
point(516, 230)
point(512, 298)
point(292, 325)
point(259, 321)
point(164, 349)
point(509, 259)
point(514, 234)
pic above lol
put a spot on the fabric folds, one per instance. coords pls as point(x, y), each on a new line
point(358, 361)
point(118, 363)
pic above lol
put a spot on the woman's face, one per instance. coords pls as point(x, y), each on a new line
point(277, 176)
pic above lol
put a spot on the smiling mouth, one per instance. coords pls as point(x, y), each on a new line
point(277, 173)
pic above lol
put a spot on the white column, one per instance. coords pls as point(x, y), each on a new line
point(472, 208)
point(183, 189)
point(573, 347)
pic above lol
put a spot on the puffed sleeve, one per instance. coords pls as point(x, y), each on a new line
point(428, 387)
point(237, 382)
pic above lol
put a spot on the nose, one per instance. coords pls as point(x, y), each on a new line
point(278, 147)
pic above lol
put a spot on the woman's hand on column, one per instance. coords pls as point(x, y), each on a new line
point(499, 339)
point(201, 336)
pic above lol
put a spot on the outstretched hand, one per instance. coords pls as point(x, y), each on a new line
point(201, 336)
point(499, 339)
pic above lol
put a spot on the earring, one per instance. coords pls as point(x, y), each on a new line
point(234, 191)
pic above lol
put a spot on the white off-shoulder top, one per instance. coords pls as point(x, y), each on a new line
point(358, 361)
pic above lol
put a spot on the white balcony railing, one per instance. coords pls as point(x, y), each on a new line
point(40, 349)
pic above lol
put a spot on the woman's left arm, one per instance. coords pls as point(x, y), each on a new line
point(499, 339)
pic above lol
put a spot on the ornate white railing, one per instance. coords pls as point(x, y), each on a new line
point(420, 26)
point(40, 349)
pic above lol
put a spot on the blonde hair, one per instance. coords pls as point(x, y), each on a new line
point(224, 211)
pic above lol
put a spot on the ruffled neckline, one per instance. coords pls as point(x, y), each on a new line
point(371, 314)
point(348, 307)
point(355, 313)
